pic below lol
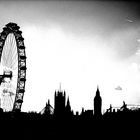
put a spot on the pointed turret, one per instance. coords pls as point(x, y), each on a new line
point(97, 92)
point(48, 102)
point(68, 107)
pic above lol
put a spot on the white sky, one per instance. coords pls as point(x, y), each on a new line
point(81, 45)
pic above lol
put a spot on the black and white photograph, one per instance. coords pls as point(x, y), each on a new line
point(69, 69)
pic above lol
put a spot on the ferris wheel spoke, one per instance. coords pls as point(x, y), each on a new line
point(6, 50)
point(3, 58)
point(6, 60)
point(14, 75)
point(10, 49)
point(14, 63)
point(14, 70)
point(9, 56)
point(14, 58)
point(14, 48)
point(12, 41)
point(13, 88)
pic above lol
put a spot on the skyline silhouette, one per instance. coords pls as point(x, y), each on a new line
point(61, 106)
point(81, 44)
point(59, 121)
point(91, 47)
point(63, 123)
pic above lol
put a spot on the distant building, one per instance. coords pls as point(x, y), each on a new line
point(97, 104)
point(87, 113)
point(59, 103)
point(47, 110)
point(61, 106)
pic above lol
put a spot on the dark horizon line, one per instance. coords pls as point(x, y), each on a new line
point(73, 0)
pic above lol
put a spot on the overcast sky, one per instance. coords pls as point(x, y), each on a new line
point(81, 44)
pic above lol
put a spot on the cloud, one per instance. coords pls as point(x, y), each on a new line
point(124, 42)
point(138, 50)
point(118, 88)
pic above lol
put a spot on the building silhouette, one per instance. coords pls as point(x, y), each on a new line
point(47, 110)
point(62, 107)
point(59, 103)
point(97, 104)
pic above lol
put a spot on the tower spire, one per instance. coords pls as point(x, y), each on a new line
point(60, 87)
point(68, 101)
point(97, 92)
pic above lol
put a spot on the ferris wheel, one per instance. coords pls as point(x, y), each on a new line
point(12, 68)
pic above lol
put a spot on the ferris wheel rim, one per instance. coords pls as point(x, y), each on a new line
point(12, 28)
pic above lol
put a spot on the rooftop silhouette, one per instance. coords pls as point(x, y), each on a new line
point(60, 121)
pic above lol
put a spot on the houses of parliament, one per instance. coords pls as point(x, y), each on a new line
point(62, 107)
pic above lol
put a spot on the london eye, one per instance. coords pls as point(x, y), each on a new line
point(12, 68)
